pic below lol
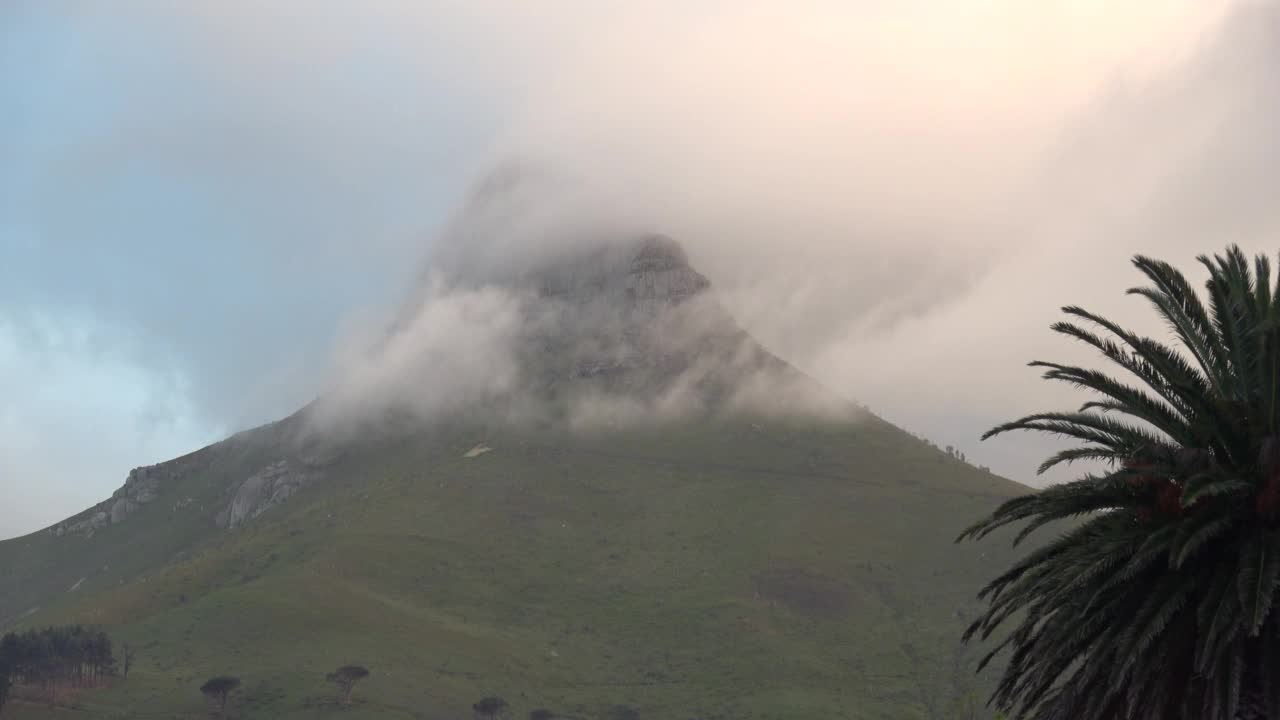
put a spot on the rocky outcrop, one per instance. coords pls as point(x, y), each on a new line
point(635, 320)
point(88, 523)
point(178, 485)
point(648, 274)
point(265, 489)
point(140, 488)
point(143, 486)
point(660, 274)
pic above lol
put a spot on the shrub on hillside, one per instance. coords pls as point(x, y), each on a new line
point(218, 689)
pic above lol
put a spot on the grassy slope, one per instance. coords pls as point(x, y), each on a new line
point(719, 571)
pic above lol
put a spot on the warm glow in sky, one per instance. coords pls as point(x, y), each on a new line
point(199, 200)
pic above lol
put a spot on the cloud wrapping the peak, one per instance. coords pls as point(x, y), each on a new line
point(456, 349)
point(895, 196)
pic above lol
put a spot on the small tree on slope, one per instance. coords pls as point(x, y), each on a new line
point(346, 678)
point(490, 707)
point(1159, 603)
point(218, 689)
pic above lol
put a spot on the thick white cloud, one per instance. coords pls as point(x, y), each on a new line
point(898, 197)
point(454, 349)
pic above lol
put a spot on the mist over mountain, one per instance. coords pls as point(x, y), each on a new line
point(859, 203)
point(562, 470)
point(567, 317)
point(597, 360)
point(581, 485)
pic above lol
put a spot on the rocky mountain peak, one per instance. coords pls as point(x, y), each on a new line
point(633, 319)
point(650, 272)
point(660, 272)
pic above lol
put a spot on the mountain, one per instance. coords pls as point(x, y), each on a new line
point(610, 501)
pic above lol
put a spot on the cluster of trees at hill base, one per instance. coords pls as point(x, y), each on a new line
point(54, 658)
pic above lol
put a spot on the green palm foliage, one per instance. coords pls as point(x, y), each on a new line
point(1157, 602)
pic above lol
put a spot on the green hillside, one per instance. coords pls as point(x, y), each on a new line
point(705, 570)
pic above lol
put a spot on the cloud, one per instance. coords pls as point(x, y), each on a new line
point(575, 328)
point(455, 350)
point(899, 201)
point(895, 196)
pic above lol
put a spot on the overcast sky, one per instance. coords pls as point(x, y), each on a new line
point(199, 201)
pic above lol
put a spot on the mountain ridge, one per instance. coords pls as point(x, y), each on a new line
point(702, 552)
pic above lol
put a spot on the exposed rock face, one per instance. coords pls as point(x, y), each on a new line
point(143, 486)
point(644, 276)
point(121, 509)
point(88, 523)
point(265, 489)
point(610, 325)
point(261, 491)
point(297, 458)
point(660, 273)
point(636, 321)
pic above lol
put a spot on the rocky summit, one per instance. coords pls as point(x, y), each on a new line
point(642, 277)
point(636, 320)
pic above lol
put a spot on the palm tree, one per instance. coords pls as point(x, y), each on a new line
point(1157, 600)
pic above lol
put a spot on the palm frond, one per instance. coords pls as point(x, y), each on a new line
point(1159, 604)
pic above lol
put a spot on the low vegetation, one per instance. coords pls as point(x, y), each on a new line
point(665, 569)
